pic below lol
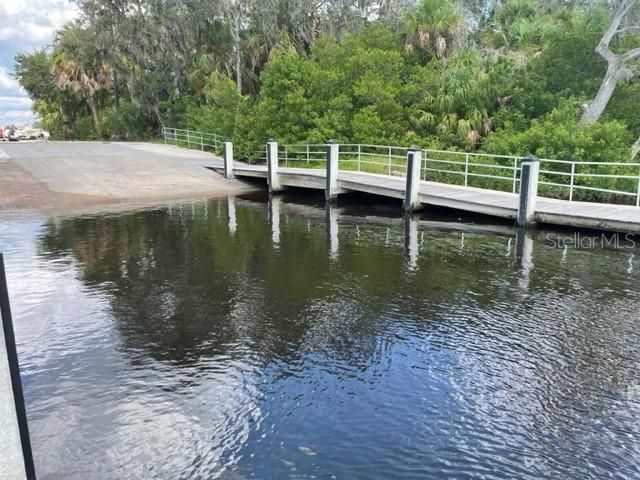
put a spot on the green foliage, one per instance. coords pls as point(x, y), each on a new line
point(83, 129)
point(457, 97)
point(223, 105)
point(124, 123)
point(434, 28)
point(558, 135)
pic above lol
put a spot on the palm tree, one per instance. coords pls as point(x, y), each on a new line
point(77, 70)
point(434, 28)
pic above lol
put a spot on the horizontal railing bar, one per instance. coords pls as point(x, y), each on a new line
point(582, 187)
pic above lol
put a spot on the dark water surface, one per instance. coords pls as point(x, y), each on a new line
point(180, 343)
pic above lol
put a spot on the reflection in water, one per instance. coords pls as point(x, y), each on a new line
point(233, 340)
point(333, 229)
point(524, 255)
point(411, 240)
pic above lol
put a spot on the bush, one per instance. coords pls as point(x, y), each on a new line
point(124, 123)
point(558, 135)
point(83, 129)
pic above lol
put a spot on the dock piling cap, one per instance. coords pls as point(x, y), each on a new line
point(271, 140)
point(414, 148)
point(227, 139)
point(332, 140)
point(530, 158)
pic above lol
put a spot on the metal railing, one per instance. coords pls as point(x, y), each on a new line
point(193, 139)
point(613, 182)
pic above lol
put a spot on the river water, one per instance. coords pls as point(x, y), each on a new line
point(235, 339)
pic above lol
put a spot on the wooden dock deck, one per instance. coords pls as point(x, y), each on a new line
point(620, 218)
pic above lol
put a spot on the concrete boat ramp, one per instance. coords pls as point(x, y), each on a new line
point(83, 177)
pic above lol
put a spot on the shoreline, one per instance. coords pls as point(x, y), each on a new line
point(84, 178)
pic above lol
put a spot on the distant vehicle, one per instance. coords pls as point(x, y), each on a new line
point(43, 134)
point(11, 133)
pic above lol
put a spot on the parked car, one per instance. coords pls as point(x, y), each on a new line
point(12, 133)
point(42, 134)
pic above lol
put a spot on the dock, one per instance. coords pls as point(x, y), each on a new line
point(599, 216)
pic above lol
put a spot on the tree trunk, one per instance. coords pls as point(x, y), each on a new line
point(635, 149)
point(116, 90)
point(236, 48)
point(616, 63)
point(156, 112)
point(594, 109)
point(91, 101)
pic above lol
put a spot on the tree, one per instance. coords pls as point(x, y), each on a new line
point(435, 28)
point(620, 66)
point(78, 69)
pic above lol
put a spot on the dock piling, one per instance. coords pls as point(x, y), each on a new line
point(530, 169)
point(272, 166)
point(414, 168)
point(331, 191)
point(228, 158)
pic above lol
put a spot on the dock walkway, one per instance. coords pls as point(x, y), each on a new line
point(600, 216)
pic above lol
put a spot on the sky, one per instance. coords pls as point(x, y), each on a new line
point(25, 25)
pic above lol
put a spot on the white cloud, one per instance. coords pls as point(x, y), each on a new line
point(15, 103)
point(30, 22)
point(24, 26)
point(8, 82)
point(9, 117)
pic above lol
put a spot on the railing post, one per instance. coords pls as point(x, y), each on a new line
point(307, 154)
point(389, 161)
point(530, 169)
point(515, 176)
point(272, 166)
point(16, 460)
point(466, 169)
point(201, 143)
point(164, 135)
point(188, 139)
point(573, 172)
point(359, 155)
point(638, 192)
point(331, 191)
point(426, 157)
point(412, 190)
point(286, 156)
point(228, 158)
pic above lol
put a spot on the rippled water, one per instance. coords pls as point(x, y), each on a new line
point(231, 340)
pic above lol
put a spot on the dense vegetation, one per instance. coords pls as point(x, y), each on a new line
point(556, 78)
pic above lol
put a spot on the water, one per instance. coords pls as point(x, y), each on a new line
point(292, 343)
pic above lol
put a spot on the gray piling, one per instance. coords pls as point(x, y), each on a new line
point(228, 159)
point(331, 191)
point(272, 166)
point(530, 170)
point(412, 190)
